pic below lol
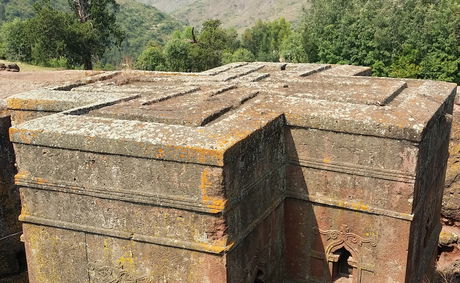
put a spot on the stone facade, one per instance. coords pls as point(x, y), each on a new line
point(12, 255)
point(11, 249)
point(258, 172)
point(451, 200)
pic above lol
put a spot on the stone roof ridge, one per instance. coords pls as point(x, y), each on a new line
point(214, 110)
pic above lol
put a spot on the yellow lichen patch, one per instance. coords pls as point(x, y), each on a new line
point(22, 135)
point(453, 166)
point(126, 259)
point(200, 155)
point(214, 204)
point(160, 153)
point(327, 160)
point(359, 206)
point(40, 181)
point(215, 248)
point(364, 207)
point(28, 104)
point(25, 175)
point(22, 175)
point(16, 103)
point(354, 205)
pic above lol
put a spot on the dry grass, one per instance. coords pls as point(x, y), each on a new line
point(443, 277)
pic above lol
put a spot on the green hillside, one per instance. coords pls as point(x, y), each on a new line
point(23, 9)
point(141, 23)
point(168, 6)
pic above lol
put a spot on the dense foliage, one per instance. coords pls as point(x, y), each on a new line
point(264, 39)
point(400, 38)
point(141, 24)
point(73, 38)
point(403, 38)
point(190, 50)
point(97, 29)
point(212, 46)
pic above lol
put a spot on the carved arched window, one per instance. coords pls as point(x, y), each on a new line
point(342, 254)
point(342, 269)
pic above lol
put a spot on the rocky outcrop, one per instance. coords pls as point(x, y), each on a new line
point(448, 268)
point(13, 67)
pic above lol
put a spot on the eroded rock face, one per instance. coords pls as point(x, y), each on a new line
point(11, 249)
point(451, 200)
point(13, 68)
point(12, 255)
point(9, 67)
point(248, 171)
point(448, 267)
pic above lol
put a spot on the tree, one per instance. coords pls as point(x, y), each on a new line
point(17, 40)
point(195, 51)
point(291, 49)
point(264, 40)
point(212, 41)
point(151, 59)
point(98, 29)
point(178, 55)
point(12, 9)
point(53, 35)
point(2, 45)
point(410, 38)
point(50, 34)
point(240, 55)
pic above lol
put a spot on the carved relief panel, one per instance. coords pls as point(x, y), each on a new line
point(343, 254)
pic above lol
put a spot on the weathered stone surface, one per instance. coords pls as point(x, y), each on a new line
point(457, 98)
point(451, 200)
point(10, 229)
point(447, 238)
point(263, 170)
point(42, 102)
point(448, 266)
point(12, 256)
